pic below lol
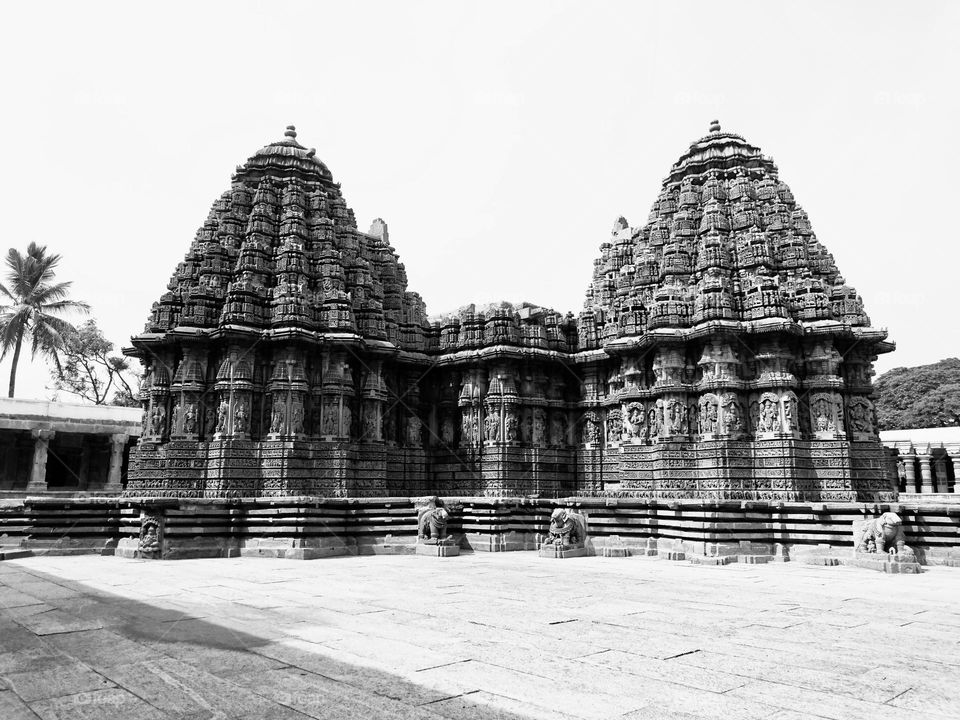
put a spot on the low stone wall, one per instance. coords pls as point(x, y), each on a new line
point(309, 527)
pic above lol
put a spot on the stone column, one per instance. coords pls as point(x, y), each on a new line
point(926, 477)
point(910, 471)
point(38, 471)
point(83, 477)
point(955, 460)
point(117, 444)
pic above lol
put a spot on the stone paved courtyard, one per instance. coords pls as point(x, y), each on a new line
point(503, 636)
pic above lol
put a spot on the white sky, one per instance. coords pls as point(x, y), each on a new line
point(499, 140)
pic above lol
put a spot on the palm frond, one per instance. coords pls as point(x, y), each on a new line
point(9, 295)
point(44, 293)
point(65, 306)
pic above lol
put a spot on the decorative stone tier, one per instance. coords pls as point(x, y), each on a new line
point(716, 532)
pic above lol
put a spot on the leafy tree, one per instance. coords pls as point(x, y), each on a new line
point(89, 371)
point(36, 303)
point(924, 396)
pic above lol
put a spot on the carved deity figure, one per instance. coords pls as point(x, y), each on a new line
point(222, 411)
point(614, 426)
point(708, 416)
point(557, 430)
point(512, 427)
point(880, 535)
point(432, 529)
point(330, 419)
point(149, 544)
point(732, 418)
point(789, 413)
point(446, 430)
point(539, 427)
point(241, 417)
point(590, 432)
point(860, 419)
point(491, 427)
point(652, 423)
point(346, 422)
point(636, 420)
point(768, 416)
point(296, 420)
point(190, 419)
point(177, 417)
point(568, 529)
point(158, 422)
point(413, 431)
point(371, 424)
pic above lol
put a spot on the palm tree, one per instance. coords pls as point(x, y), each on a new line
point(35, 301)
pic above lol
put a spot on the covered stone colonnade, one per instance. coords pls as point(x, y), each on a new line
point(62, 447)
point(927, 459)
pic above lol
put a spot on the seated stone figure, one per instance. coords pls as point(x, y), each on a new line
point(433, 527)
point(567, 529)
point(882, 534)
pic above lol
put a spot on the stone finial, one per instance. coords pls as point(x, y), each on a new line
point(715, 126)
point(290, 132)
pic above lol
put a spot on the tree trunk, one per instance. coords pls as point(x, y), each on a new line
point(13, 363)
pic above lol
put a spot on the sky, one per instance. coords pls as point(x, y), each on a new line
point(499, 140)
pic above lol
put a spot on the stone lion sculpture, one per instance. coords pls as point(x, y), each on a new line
point(882, 534)
point(432, 528)
point(567, 529)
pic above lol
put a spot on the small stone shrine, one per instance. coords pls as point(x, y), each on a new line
point(720, 355)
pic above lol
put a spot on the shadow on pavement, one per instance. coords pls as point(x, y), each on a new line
point(72, 651)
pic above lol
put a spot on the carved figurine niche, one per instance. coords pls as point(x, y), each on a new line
point(150, 543)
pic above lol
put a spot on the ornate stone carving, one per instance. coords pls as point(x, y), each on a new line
point(432, 527)
point(881, 534)
point(709, 414)
point(150, 544)
point(635, 421)
point(567, 530)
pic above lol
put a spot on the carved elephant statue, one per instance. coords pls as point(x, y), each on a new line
point(567, 529)
point(881, 534)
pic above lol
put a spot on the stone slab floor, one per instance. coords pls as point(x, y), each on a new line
point(502, 636)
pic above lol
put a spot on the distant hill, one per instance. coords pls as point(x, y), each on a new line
point(924, 396)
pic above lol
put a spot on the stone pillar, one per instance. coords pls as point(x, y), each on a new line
point(955, 460)
point(117, 444)
point(38, 471)
point(83, 477)
point(926, 477)
point(909, 469)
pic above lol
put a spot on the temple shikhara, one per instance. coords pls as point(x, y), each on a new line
point(719, 355)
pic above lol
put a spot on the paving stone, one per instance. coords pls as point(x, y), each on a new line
point(30, 659)
point(488, 706)
point(10, 598)
point(184, 690)
point(13, 708)
point(65, 679)
point(318, 660)
point(321, 697)
point(823, 704)
point(108, 704)
point(101, 648)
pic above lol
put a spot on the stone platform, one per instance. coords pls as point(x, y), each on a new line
point(501, 636)
point(438, 550)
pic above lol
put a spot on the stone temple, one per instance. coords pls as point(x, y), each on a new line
point(720, 355)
